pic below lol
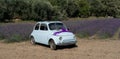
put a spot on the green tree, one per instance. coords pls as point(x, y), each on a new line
point(104, 7)
point(43, 10)
point(2, 10)
point(57, 9)
point(112, 7)
point(83, 8)
point(96, 8)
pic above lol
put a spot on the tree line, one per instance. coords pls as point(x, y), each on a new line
point(57, 9)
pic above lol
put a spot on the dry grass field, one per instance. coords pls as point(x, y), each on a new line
point(86, 49)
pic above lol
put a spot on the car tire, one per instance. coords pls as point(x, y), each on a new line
point(33, 41)
point(52, 45)
point(73, 45)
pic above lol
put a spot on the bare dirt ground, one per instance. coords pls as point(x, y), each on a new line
point(86, 49)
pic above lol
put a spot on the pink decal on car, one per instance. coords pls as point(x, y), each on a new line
point(62, 30)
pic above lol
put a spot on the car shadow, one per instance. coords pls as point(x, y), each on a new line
point(43, 45)
point(66, 47)
point(59, 47)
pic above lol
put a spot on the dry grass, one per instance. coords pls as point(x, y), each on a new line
point(87, 49)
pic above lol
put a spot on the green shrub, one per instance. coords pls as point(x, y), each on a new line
point(116, 34)
point(119, 36)
point(14, 38)
point(117, 16)
point(83, 35)
point(105, 35)
point(1, 37)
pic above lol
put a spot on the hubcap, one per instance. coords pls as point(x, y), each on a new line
point(52, 45)
point(32, 40)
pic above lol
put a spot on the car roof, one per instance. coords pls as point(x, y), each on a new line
point(47, 22)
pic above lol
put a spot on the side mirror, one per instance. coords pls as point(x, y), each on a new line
point(68, 29)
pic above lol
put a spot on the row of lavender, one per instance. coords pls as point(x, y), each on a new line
point(15, 31)
point(91, 27)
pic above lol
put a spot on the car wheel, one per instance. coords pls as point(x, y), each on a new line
point(52, 45)
point(73, 45)
point(33, 41)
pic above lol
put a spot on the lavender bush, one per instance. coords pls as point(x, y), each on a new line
point(85, 28)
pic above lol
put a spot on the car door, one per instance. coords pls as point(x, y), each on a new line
point(35, 32)
point(43, 33)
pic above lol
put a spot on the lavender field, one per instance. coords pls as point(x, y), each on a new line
point(102, 27)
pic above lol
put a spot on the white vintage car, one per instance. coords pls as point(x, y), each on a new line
point(52, 33)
